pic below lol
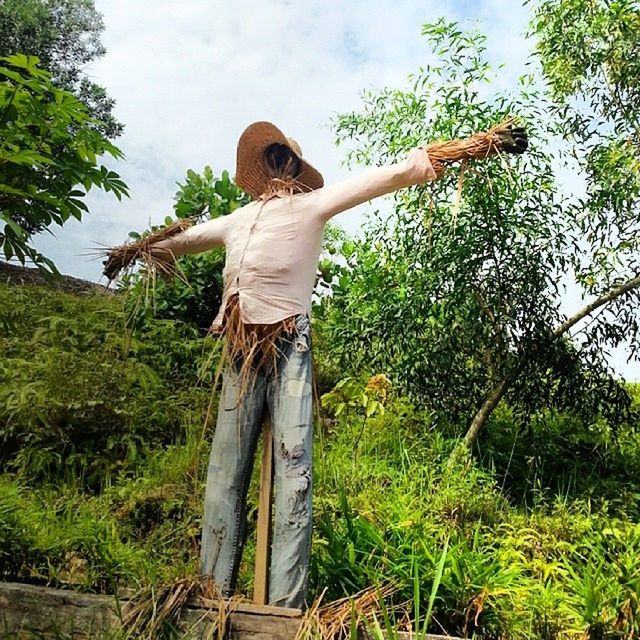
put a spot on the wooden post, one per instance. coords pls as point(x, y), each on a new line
point(263, 542)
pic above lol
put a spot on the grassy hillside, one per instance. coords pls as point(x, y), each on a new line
point(103, 452)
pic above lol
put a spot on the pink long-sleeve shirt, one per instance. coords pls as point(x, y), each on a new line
point(273, 247)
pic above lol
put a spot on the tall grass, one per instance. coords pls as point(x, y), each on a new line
point(103, 457)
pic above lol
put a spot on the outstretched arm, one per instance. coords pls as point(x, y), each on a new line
point(160, 249)
point(423, 164)
point(196, 239)
point(415, 169)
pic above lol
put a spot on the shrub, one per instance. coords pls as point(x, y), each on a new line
point(83, 394)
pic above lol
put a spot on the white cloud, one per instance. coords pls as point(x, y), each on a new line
point(188, 77)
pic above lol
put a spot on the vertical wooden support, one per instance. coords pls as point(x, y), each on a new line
point(263, 542)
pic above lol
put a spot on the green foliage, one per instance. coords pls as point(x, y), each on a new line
point(63, 541)
point(560, 454)
point(450, 300)
point(102, 438)
point(444, 300)
point(16, 537)
point(349, 396)
point(65, 36)
point(394, 500)
point(590, 56)
point(75, 384)
point(207, 196)
point(195, 296)
point(590, 48)
point(407, 507)
point(48, 157)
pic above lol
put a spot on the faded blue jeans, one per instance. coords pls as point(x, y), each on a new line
point(287, 394)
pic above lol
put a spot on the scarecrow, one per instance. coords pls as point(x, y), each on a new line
point(272, 247)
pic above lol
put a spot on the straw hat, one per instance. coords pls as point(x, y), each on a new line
point(251, 174)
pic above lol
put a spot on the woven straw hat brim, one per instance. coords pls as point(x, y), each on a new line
point(251, 174)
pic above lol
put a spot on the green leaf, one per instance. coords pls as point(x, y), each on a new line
point(48, 145)
point(14, 227)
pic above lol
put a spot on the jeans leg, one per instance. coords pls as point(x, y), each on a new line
point(290, 397)
point(228, 475)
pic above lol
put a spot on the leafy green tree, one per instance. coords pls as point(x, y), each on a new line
point(589, 51)
point(65, 36)
point(457, 293)
point(49, 150)
point(195, 296)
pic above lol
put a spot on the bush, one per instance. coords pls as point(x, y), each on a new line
point(394, 500)
point(81, 393)
point(556, 453)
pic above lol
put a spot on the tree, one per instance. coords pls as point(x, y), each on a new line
point(65, 36)
point(589, 52)
point(459, 300)
point(48, 157)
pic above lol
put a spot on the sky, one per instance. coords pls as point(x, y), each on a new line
point(188, 77)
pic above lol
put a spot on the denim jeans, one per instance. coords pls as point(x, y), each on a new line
point(286, 393)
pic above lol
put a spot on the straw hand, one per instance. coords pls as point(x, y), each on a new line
point(513, 139)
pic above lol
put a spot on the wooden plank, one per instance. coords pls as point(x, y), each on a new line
point(203, 623)
point(25, 609)
point(263, 541)
point(248, 607)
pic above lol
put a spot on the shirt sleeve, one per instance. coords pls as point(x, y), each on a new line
point(415, 169)
point(196, 239)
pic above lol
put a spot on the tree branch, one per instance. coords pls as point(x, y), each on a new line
point(497, 393)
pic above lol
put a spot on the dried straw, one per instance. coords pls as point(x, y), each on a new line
point(478, 146)
point(277, 186)
point(251, 348)
point(333, 621)
point(122, 257)
point(155, 612)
